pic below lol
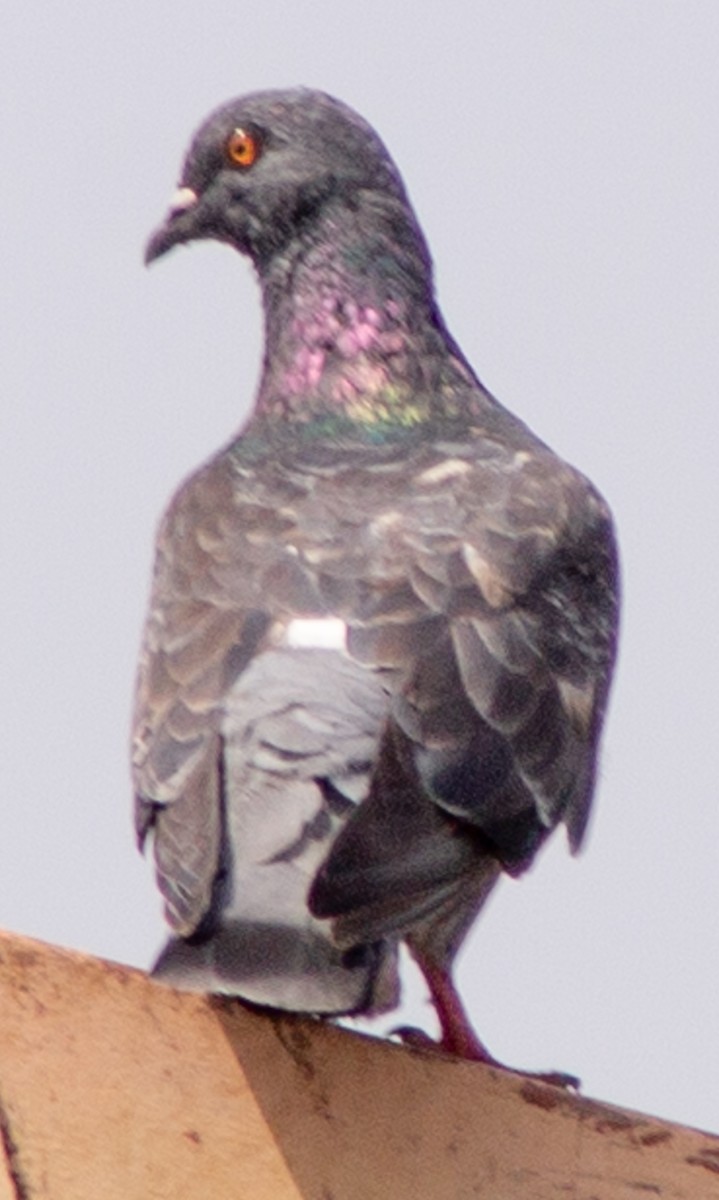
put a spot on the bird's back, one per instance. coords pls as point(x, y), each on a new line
point(458, 681)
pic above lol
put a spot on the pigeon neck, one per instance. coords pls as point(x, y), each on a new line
point(353, 334)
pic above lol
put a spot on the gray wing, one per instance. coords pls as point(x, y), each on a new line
point(199, 636)
point(499, 685)
point(248, 755)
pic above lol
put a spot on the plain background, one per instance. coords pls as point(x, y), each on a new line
point(562, 156)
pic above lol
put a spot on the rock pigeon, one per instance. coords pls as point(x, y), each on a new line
point(383, 618)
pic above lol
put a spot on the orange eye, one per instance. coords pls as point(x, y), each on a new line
point(242, 148)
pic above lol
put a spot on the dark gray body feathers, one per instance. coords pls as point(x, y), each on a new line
point(314, 803)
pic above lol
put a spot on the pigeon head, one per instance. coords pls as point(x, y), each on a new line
point(302, 185)
point(263, 167)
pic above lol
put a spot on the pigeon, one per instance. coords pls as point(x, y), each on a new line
point(383, 618)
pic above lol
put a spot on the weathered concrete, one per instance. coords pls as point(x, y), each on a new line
point(112, 1086)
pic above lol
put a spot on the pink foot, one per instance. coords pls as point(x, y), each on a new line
point(458, 1037)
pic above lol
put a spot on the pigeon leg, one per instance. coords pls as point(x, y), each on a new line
point(458, 1036)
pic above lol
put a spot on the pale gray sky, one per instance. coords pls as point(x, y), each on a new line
point(562, 157)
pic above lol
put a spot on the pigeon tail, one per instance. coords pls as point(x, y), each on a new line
point(291, 968)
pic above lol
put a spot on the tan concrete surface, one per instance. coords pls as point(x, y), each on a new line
point(7, 1189)
point(114, 1087)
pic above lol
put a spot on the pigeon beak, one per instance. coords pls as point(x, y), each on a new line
point(175, 228)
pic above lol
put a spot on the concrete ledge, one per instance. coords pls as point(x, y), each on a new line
point(114, 1087)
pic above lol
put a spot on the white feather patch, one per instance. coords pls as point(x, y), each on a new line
point(325, 633)
point(449, 468)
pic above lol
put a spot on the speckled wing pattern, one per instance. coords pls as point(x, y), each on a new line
point(392, 780)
